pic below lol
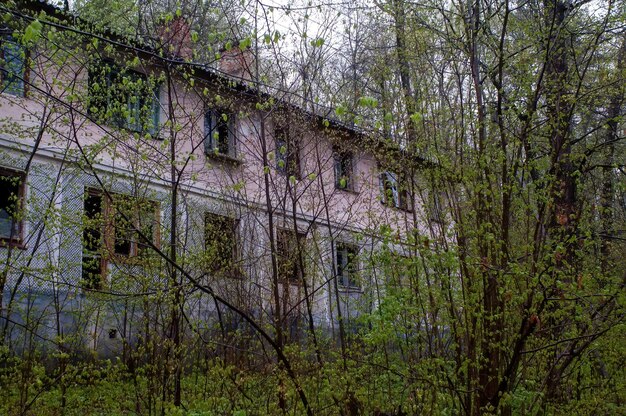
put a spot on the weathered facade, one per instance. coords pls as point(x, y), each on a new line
point(131, 180)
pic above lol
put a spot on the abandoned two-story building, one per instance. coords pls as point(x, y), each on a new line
point(129, 173)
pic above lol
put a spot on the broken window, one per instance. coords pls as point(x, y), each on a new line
point(220, 238)
point(287, 152)
point(219, 132)
point(12, 66)
point(343, 170)
point(394, 191)
point(290, 263)
point(346, 262)
point(11, 195)
point(117, 229)
point(123, 97)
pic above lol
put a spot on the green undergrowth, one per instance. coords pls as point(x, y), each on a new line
point(366, 382)
point(213, 388)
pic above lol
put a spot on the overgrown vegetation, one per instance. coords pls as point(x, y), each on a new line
point(446, 237)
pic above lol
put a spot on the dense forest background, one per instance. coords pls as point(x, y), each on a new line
point(507, 117)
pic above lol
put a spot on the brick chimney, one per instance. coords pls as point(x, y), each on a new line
point(237, 63)
point(175, 38)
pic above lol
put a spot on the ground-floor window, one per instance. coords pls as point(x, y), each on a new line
point(115, 228)
point(11, 195)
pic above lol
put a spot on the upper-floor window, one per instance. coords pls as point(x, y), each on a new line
point(12, 66)
point(288, 255)
point(11, 195)
point(394, 191)
point(115, 229)
point(220, 241)
point(344, 173)
point(346, 263)
point(123, 97)
point(219, 132)
point(287, 152)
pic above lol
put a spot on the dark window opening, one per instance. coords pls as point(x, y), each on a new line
point(133, 218)
point(346, 262)
point(343, 170)
point(288, 256)
point(112, 229)
point(124, 98)
point(123, 220)
point(12, 66)
point(92, 241)
point(220, 237)
point(287, 153)
point(11, 195)
point(146, 220)
point(219, 132)
point(394, 191)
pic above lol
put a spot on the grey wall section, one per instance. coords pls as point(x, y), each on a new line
point(45, 306)
point(43, 303)
point(49, 322)
point(29, 269)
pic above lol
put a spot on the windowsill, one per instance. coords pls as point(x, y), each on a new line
point(139, 260)
point(221, 157)
point(13, 243)
point(350, 289)
point(239, 277)
point(122, 127)
point(86, 291)
point(120, 259)
point(226, 274)
point(141, 133)
point(8, 94)
point(287, 176)
point(348, 190)
point(407, 210)
point(153, 136)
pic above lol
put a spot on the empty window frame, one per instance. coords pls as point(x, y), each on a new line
point(289, 246)
point(219, 133)
point(394, 191)
point(113, 230)
point(344, 165)
point(221, 244)
point(13, 60)
point(93, 240)
point(131, 219)
point(287, 152)
point(346, 263)
point(12, 185)
point(123, 97)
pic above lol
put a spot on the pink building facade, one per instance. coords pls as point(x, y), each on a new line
point(113, 158)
